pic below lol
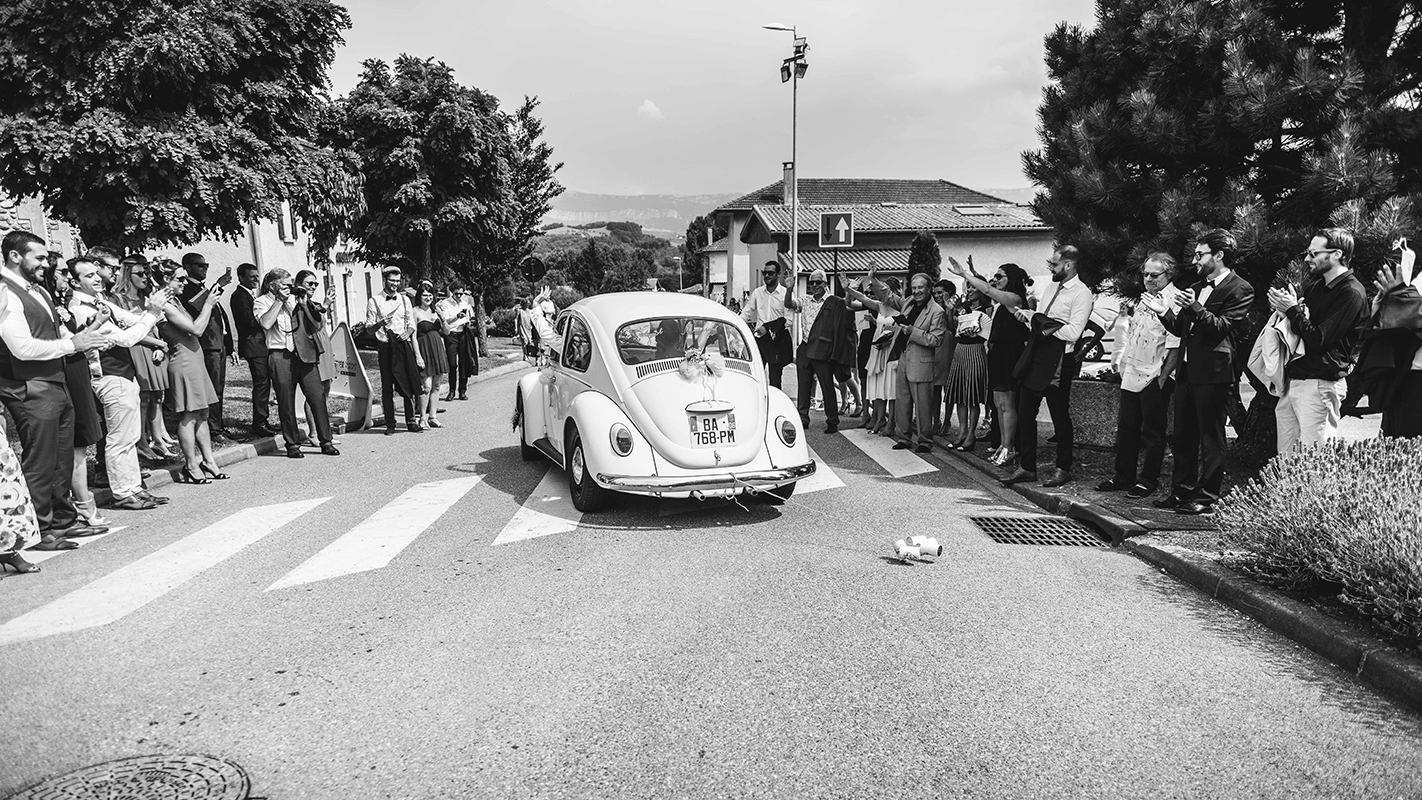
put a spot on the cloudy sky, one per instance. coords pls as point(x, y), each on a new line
point(671, 97)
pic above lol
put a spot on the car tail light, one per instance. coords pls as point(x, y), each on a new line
point(621, 439)
point(787, 432)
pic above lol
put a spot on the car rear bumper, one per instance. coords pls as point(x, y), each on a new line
point(758, 479)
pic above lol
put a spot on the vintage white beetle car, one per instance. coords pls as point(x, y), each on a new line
point(660, 394)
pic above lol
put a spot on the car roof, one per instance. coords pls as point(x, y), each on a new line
point(614, 309)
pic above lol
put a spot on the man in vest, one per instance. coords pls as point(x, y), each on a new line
point(32, 387)
point(116, 384)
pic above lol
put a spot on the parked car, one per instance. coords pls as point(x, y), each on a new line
point(659, 394)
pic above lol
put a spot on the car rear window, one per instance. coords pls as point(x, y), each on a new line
point(673, 337)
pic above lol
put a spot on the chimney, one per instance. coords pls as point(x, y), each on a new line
point(789, 168)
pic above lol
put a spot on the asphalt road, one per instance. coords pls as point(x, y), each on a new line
point(373, 646)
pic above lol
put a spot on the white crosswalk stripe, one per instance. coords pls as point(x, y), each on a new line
point(824, 477)
point(898, 463)
point(128, 589)
point(547, 511)
point(383, 535)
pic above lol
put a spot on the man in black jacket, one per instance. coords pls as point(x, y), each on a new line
point(1210, 319)
point(216, 339)
point(252, 347)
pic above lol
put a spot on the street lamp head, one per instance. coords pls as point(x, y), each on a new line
point(800, 68)
point(776, 26)
point(785, 72)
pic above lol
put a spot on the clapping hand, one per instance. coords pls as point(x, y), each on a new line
point(1154, 302)
point(1281, 300)
point(1181, 300)
point(1388, 279)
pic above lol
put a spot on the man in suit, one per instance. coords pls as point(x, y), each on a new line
point(918, 330)
point(827, 349)
point(216, 338)
point(1210, 320)
point(33, 389)
point(252, 347)
point(1048, 365)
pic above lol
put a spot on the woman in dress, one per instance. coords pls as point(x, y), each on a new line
point(18, 526)
point(880, 373)
point(149, 355)
point(190, 390)
point(311, 319)
point(1006, 341)
point(967, 386)
point(430, 330)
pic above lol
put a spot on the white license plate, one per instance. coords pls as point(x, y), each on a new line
point(713, 430)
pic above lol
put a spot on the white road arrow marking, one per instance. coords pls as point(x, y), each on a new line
point(128, 589)
point(547, 511)
point(375, 542)
point(824, 478)
point(842, 228)
point(898, 463)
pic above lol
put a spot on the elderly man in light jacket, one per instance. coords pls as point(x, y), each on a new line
point(919, 329)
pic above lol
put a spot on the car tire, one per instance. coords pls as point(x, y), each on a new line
point(587, 495)
point(779, 494)
point(528, 451)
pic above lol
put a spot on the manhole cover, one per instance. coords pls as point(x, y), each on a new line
point(160, 777)
point(1038, 530)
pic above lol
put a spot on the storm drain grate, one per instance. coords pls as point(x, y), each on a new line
point(160, 777)
point(1057, 531)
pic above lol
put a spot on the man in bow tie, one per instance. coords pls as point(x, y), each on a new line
point(391, 316)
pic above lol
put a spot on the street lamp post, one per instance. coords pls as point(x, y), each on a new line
point(793, 69)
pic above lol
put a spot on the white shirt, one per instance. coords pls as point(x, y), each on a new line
point(125, 329)
point(810, 311)
point(1069, 303)
point(398, 314)
point(764, 306)
point(449, 309)
point(275, 319)
point(15, 329)
point(1143, 355)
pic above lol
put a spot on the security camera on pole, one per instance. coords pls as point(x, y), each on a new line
point(793, 69)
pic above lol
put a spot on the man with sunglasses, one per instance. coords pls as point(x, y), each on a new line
point(765, 313)
point(826, 348)
point(1211, 320)
point(1328, 319)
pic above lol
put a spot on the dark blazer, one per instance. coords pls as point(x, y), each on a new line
point(1214, 337)
point(831, 338)
point(1038, 365)
point(251, 340)
point(217, 335)
point(306, 332)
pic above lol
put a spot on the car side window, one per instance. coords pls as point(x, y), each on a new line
point(577, 348)
point(561, 326)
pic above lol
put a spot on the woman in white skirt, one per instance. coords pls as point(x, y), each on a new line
point(881, 373)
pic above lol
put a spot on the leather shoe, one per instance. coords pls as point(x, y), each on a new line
point(831, 428)
point(132, 503)
point(329, 450)
point(1022, 476)
point(79, 530)
point(158, 499)
point(463, 396)
point(293, 452)
point(1058, 478)
point(924, 448)
point(1171, 500)
point(1195, 508)
point(449, 398)
point(54, 543)
point(1140, 491)
point(1111, 486)
point(389, 431)
point(902, 445)
point(266, 430)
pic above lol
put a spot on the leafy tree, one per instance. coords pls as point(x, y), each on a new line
point(924, 255)
point(1268, 117)
point(628, 271)
point(148, 122)
point(693, 264)
point(588, 269)
point(437, 163)
point(1271, 118)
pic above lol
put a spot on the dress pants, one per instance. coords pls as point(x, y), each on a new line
point(1141, 424)
point(118, 397)
point(261, 391)
point(1403, 418)
point(387, 389)
point(807, 371)
point(1058, 398)
point(912, 397)
point(777, 372)
point(1309, 412)
point(1199, 440)
point(459, 351)
point(288, 372)
point(216, 363)
point(44, 421)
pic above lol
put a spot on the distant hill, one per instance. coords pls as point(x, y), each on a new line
point(1021, 196)
point(666, 215)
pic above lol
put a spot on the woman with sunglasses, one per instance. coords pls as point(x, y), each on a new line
point(291, 352)
point(1007, 338)
point(430, 330)
point(311, 322)
point(149, 355)
point(190, 389)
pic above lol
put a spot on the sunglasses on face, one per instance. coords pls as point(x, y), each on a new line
point(817, 283)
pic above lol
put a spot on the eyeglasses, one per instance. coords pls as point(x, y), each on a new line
point(812, 283)
point(1315, 253)
point(310, 283)
point(1148, 274)
point(768, 272)
point(1198, 254)
point(139, 272)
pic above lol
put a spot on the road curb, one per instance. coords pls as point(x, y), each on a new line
point(1395, 674)
point(1391, 672)
point(237, 453)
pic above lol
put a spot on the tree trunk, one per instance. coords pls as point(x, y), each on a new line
point(481, 331)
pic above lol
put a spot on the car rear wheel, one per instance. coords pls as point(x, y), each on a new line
point(528, 451)
point(587, 495)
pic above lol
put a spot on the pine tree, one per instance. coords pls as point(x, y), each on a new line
point(924, 255)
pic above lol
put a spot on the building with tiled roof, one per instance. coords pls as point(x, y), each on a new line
point(887, 214)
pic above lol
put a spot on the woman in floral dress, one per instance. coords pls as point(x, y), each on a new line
point(18, 527)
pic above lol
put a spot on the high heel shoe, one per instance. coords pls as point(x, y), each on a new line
point(185, 475)
point(18, 563)
point(213, 472)
point(434, 423)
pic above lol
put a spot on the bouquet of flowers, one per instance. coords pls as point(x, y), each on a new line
point(704, 368)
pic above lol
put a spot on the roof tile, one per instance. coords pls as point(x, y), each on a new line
point(879, 218)
point(854, 191)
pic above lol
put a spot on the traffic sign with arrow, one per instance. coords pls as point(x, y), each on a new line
point(836, 229)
